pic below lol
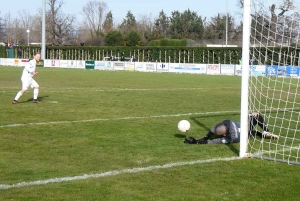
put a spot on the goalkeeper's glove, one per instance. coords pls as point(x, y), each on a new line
point(190, 140)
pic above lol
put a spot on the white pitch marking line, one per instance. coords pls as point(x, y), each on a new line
point(45, 89)
point(112, 173)
point(121, 118)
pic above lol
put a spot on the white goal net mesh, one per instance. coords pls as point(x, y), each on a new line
point(274, 81)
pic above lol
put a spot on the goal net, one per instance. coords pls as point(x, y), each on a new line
point(271, 52)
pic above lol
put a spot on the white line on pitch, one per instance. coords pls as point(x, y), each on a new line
point(120, 90)
point(45, 89)
point(112, 173)
point(121, 118)
point(276, 151)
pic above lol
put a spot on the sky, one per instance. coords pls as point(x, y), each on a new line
point(119, 8)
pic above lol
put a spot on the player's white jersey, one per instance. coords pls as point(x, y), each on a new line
point(29, 69)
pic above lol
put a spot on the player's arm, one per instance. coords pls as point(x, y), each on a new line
point(209, 134)
point(221, 140)
point(205, 140)
point(218, 141)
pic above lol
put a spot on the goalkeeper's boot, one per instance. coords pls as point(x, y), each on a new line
point(270, 135)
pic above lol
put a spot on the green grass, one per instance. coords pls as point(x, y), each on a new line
point(91, 122)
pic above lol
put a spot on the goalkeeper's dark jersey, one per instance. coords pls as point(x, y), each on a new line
point(233, 133)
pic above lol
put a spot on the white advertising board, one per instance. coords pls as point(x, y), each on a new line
point(238, 70)
point(71, 64)
point(129, 66)
point(118, 65)
point(214, 69)
point(227, 69)
point(63, 63)
point(187, 68)
point(80, 64)
point(162, 67)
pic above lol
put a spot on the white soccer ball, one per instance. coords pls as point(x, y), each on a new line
point(184, 126)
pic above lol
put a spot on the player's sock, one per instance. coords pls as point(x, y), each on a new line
point(35, 93)
point(19, 94)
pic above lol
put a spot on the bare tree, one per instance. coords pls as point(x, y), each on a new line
point(23, 23)
point(9, 28)
point(14, 28)
point(287, 22)
point(2, 28)
point(18, 32)
point(145, 26)
point(59, 25)
point(286, 5)
point(82, 34)
point(275, 24)
point(94, 13)
point(25, 19)
point(36, 27)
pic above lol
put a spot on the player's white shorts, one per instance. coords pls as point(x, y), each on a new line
point(30, 82)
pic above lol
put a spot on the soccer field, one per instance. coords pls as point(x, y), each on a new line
point(112, 135)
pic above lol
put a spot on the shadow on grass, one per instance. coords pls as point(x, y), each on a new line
point(208, 116)
point(31, 99)
point(233, 149)
point(179, 135)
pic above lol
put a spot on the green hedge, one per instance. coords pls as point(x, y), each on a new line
point(27, 52)
point(3, 53)
point(161, 54)
point(229, 55)
point(168, 42)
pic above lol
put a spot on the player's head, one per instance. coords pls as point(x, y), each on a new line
point(221, 130)
point(37, 56)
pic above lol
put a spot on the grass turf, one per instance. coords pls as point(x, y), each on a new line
point(91, 122)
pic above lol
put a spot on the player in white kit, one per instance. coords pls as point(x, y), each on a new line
point(27, 79)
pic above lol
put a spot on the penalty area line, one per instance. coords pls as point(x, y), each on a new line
point(111, 173)
point(110, 119)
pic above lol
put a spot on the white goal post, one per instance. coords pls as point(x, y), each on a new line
point(271, 79)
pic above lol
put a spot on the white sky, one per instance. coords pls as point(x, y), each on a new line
point(119, 8)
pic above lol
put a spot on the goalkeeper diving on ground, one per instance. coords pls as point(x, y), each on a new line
point(228, 131)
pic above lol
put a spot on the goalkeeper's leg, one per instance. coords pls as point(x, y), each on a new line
point(263, 134)
point(257, 119)
point(261, 122)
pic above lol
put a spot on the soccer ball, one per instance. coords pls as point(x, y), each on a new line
point(184, 126)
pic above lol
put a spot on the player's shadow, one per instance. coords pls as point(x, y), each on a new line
point(41, 98)
point(179, 135)
point(225, 116)
point(233, 149)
